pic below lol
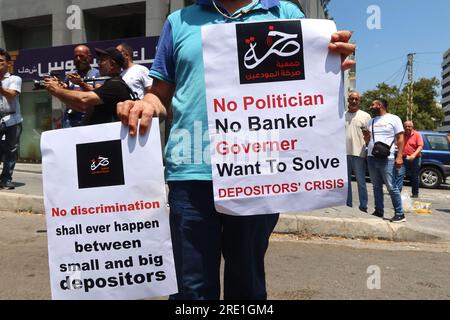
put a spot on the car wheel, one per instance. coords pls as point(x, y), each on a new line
point(430, 178)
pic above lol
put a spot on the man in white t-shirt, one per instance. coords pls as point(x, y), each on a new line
point(137, 77)
point(356, 121)
point(388, 129)
point(10, 120)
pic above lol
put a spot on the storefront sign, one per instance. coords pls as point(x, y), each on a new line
point(33, 64)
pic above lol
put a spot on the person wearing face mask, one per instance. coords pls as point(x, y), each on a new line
point(356, 122)
point(386, 128)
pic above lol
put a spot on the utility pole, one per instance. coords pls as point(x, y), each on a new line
point(409, 113)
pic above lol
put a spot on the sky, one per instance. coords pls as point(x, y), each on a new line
point(407, 26)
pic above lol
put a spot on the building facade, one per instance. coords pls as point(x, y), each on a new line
point(49, 24)
point(446, 91)
point(350, 79)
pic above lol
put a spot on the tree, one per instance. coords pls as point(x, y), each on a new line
point(426, 114)
point(425, 110)
point(397, 102)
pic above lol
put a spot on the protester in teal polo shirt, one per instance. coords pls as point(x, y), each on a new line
point(199, 233)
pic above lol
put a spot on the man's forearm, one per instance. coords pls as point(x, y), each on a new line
point(8, 93)
point(400, 146)
point(159, 104)
point(72, 98)
point(86, 86)
point(417, 152)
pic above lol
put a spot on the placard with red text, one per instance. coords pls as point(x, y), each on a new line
point(275, 114)
point(107, 218)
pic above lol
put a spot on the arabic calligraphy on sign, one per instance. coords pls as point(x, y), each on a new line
point(273, 75)
point(286, 41)
point(101, 163)
point(270, 52)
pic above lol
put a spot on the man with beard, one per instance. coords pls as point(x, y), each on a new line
point(386, 128)
point(356, 122)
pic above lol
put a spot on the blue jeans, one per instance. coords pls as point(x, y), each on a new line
point(413, 167)
point(200, 235)
point(9, 150)
point(382, 170)
point(358, 166)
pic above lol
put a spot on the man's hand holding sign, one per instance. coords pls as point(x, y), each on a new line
point(158, 101)
point(286, 106)
point(252, 116)
point(107, 222)
point(272, 108)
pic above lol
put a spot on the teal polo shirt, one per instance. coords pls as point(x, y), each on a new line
point(179, 61)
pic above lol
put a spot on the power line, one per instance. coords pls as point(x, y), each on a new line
point(394, 74)
point(396, 77)
point(380, 64)
point(430, 63)
point(404, 74)
point(397, 58)
point(430, 52)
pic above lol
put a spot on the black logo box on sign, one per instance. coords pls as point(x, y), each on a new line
point(100, 164)
point(270, 51)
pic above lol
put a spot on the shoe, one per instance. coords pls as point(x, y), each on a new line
point(414, 196)
point(363, 210)
point(378, 214)
point(8, 185)
point(398, 219)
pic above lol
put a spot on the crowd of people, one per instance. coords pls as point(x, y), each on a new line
point(89, 96)
point(175, 85)
point(386, 147)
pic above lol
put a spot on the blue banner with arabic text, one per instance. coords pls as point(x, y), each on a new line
point(33, 64)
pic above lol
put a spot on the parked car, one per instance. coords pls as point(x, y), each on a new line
point(435, 166)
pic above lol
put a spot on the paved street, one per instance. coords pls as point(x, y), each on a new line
point(338, 269)
point(321, 267)
point(296, 268)
point(337, 221)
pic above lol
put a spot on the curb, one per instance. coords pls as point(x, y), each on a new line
point(22, 202)
point(27, 170)
point(302, 225)
point(351, 229)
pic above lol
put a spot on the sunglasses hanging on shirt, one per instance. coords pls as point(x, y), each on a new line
point(236, 14)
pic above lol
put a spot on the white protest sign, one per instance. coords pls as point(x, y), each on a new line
point(107, 219)
point(275, 113)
